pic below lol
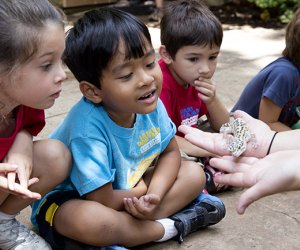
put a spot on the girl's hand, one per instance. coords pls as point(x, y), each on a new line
point(142, 208)
point(206, 89)
point(8, 184)
point(23, 171)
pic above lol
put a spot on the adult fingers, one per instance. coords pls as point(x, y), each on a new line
point(249, 196)
point(190, 130)
point(241, 114)
point(234, 179)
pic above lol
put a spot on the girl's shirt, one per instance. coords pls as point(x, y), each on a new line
point(33, 120)
point(184, 107)
point(279, 82)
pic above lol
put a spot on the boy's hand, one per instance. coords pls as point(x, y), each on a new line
point(206, 89)
point(142, 208)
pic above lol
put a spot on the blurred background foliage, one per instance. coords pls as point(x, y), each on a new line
point(281, 9)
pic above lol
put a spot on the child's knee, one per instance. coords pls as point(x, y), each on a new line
point(52, 157)
point(194, 174)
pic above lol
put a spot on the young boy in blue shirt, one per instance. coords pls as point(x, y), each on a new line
point(127, 177)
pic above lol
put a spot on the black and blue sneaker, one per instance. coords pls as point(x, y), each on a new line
point(204, 211)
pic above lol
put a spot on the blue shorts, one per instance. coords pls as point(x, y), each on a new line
point(44, 219)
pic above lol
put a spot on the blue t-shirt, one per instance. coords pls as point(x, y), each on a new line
point(279, 82)
point(104, 152)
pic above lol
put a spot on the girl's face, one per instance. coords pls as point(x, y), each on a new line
point(38, 82)
point(131, 86)
point(194, 62)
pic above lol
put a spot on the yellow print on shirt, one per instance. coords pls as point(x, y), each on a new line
point(134, 177)
point(148, 136)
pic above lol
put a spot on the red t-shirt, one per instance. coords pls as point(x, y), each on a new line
point(183, 105)
point(33, 120)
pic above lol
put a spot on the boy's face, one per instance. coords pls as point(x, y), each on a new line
point(131, 86)
point(194, 62)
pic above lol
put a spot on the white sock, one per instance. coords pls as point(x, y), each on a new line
point(5, 216)
point(170, 229)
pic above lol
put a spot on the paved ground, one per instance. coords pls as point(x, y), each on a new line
point(271, 223)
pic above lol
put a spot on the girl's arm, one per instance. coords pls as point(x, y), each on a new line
point(269, 113)
point(21, 154)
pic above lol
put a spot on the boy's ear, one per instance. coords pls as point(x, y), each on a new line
point(165, 56)
point(91, 92)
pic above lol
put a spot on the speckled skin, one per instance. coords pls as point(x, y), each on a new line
point(237, 135)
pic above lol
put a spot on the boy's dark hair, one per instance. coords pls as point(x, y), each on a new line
point(292, 39)
point(94, 40)
point(189, 22)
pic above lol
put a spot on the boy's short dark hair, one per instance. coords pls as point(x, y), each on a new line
point(189, 22)
point(292, 39)
point(95, 38)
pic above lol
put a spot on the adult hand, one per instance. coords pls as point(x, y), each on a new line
point(216, 142)
point(263, 177)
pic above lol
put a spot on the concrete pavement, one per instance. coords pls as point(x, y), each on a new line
point(272, 222)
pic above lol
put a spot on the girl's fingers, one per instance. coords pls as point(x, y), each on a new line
point(22, 176)
point(6, 167)
point(33, 181)
point(18, 189)
point(11, 180)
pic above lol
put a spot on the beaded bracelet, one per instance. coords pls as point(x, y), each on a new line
point(269, 149)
